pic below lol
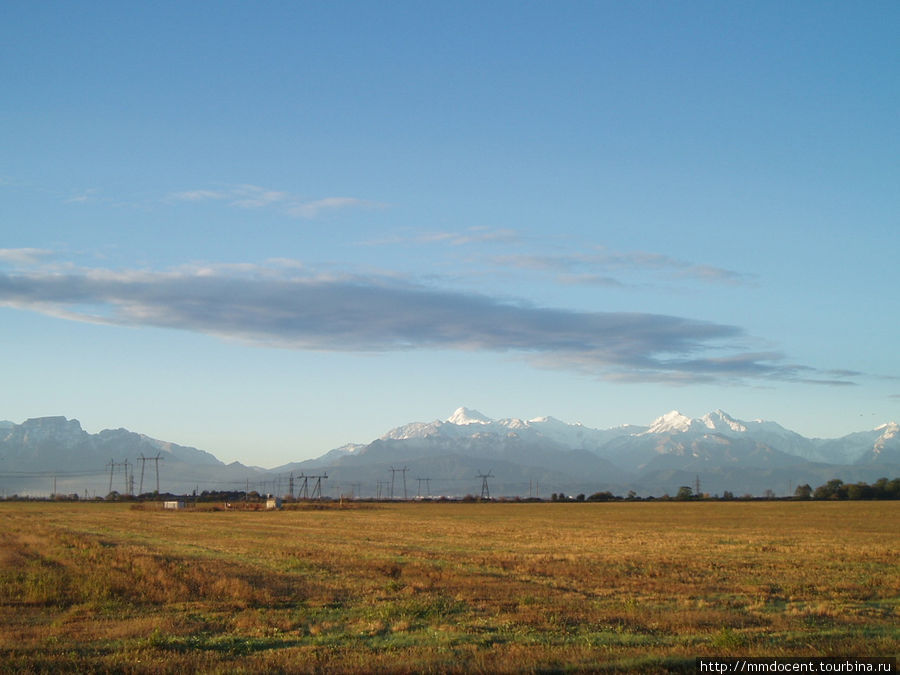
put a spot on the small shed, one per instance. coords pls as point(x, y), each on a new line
point(174, 505)
point(273, 503)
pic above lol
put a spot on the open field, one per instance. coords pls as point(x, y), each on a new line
point(444, 587)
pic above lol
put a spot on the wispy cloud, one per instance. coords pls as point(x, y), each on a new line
point(23, 256)
point(470, 235)
point(589, 266)
point(83, 197)
point(198, 195)
point(255, 197)
point(314, 208)
point(595, 267)
point(277, 305)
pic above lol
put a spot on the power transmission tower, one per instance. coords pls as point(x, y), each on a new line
point(378, 488)
point(485, 492)
point(143, 460)
point(697, 485)
point(112, 467)
point(393, 473)
point(427, 487)
point(304, 486)
point(317, 490)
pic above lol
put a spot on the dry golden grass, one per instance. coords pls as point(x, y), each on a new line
point(444, 587)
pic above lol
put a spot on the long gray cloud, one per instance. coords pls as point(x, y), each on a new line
point(380, 314)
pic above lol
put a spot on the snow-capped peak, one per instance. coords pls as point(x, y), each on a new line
point(671, 421)
point(722, 421)
point(467, 416)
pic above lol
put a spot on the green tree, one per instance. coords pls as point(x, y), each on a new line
point(684, 493)
point(803, 492)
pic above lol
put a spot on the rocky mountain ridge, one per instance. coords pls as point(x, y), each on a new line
point(526, 457)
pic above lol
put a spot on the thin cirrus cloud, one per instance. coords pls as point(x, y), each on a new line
point(470, 235)
point(371, 314)
point(593, 268)
point(256, 197)
point(23, 256)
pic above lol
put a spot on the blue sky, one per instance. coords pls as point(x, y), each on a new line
point(267, 229)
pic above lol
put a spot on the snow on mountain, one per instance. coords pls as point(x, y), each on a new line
point(413, 430)
point(465, 423)
point(728, 453)
point(466, 416)
point(890, 430)
point(672, 422)
point(723, 422)
point(885, 448)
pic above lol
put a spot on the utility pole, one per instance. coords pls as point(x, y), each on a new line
point(485, 492)
point(697, 485)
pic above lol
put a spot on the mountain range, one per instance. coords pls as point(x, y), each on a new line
point(466, 453)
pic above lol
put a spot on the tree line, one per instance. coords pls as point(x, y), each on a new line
point(834, 489)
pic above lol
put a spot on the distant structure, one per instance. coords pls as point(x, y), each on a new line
point(273, 503)
point(403, 473)
point(174, 505)
point(427, 487)
point(143, 460)
point(485, 492)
